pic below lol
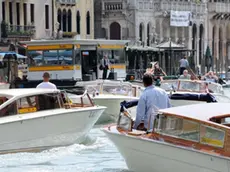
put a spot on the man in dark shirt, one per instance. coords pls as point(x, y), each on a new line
point(105, 66)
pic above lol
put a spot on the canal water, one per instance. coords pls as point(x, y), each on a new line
point(98, 154)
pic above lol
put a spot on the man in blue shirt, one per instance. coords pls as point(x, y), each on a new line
point(152, 99)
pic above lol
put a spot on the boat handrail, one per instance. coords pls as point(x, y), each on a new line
point(66, 98)
point(85, 94)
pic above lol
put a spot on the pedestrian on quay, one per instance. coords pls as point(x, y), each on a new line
point(183, 64)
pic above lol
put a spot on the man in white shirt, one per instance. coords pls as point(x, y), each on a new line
point(46, 84)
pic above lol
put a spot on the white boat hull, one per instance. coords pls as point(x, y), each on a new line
point(112, 102)
point(113, 107)
point(47, 129)
point(152, 156)
point(176, 103)
point(4, 86)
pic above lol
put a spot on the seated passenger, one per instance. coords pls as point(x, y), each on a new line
point(158, 72)
point(185, 75)
point(210, 76)
point(152, 99)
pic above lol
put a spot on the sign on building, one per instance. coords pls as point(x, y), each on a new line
point(66, 2)
point(180, 18)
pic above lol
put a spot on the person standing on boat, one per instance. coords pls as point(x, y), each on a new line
point(183, 64)
point(46, 82)
point(185, 75)
point(105, 66)
point(152, 99)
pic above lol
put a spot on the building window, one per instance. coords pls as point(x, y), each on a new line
point(69, 21)
point(32, 13)
point(88, 23)
point(11, 12)
point(25, 13)
point(47, 16)
point(64, 16)
point(78, 23)
point(59, 18)
point(18, 13)
point(3, 11)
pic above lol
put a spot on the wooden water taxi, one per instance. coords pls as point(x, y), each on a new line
point(185, 138)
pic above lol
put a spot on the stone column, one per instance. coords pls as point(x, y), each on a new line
point(61, 19)
point(0, 18)
point(28, 14)
point(74, 20)
point(224, 54)
point(183, 34)
point(14, 9)
point(21, 14)
point(197, 62)
point(228, 57)
point(176, 34)
point(161, 31)
point(190, 37)
point(7, 11)
point(217, 48)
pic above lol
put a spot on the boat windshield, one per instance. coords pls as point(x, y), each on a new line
point(107, 87)
point(191, 86)
point(169, 85)
point(78, 100)
point(189, 130)
point(178, 127)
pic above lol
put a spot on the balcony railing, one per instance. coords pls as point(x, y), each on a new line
point(113, 6)
point(219, 7)
point(66, 2)
point(180, 6)
point(20, 30)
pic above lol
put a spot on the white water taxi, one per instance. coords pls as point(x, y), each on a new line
point(110, 94)
point(186, 92)
point(186, 138)
point(37, 119)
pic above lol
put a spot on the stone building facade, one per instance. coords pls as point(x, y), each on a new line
point(0, 19)
point(39, 18)
point(76, 17)
point(148, 21)
point(25, 17)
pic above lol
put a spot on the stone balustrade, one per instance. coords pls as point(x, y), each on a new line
point(113, 6)
point(181, 6)
point(219, 7)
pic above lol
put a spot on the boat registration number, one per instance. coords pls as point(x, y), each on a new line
point(92, 114)
point(27, 110)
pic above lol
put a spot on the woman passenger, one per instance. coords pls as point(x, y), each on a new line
point(158, 72)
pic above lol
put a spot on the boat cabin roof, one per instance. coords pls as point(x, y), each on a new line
point(26, 92)
point(201, 112)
